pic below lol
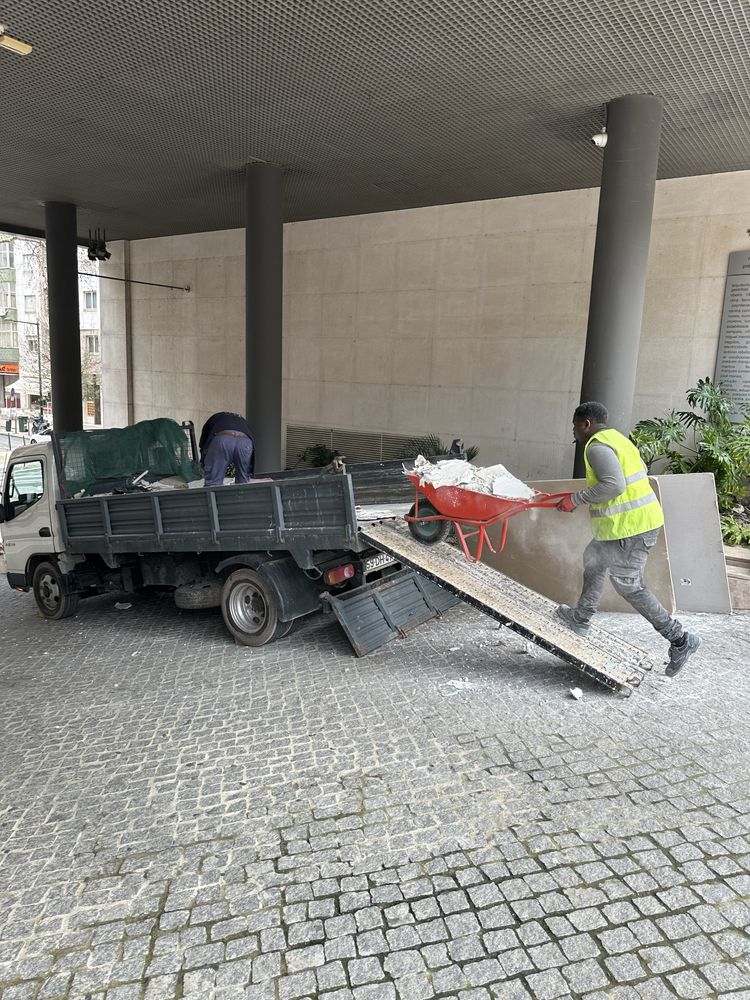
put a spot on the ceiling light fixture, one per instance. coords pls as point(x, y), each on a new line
point(98, 246)
point(13, 44)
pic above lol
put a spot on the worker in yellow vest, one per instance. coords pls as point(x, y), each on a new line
point(626, 519)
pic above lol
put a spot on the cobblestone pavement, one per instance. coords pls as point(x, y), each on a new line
point(181, 817)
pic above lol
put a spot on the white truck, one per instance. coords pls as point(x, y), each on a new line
point(267, 553)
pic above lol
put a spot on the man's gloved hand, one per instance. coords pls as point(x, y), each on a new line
point(566, 504)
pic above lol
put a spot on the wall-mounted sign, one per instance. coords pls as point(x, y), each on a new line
point(733, 360)
point(8, 368)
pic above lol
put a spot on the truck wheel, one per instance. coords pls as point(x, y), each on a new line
point(249, 609)
point(49, 592)
point(427, 532)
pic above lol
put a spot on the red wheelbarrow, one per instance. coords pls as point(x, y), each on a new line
point(437, 507)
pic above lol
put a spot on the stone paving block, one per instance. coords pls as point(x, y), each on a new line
point(435, 956)
point(414, 987)
point(496, 916)
point(515, 962)
point(589, 919)
point(403, 937)
point(330, 976)
point(450, 980)
point(624, 968)
point(297, 985)
point(618, 940)
point(547, 956)
point(340, 948)
point(466, 948)
point(532, 933)
point(266, 967)
point(585, 976)
point(381, 991)
point(484, 971)
point(365, 970)
point(547, 985)
point(689, 984)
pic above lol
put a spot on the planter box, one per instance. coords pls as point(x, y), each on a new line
point(738, 573)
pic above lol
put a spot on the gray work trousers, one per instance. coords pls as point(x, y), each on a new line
point(624, 560)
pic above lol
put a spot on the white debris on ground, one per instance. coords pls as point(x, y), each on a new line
point(576, 693)
point(494, 479)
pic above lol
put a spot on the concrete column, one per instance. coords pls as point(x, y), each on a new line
point(128, 307)
point(623, 233)
point(263, 302)
point(64, 324)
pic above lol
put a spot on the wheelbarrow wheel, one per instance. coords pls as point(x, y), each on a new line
point(427, 532)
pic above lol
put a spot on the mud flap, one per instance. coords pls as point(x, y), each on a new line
point(377, 612)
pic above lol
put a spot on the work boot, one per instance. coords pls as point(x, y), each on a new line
point(680, 652)
point(568, 615)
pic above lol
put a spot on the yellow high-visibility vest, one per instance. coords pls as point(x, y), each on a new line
point(636, 509)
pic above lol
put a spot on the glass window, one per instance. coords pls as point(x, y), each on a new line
point(7, 295)
point(32, 344)
point(24, 487)
point(89, 300)
point(92, 344)
point(6, 254)
point(29, 304)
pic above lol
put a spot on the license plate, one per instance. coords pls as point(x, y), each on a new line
point(378, 562)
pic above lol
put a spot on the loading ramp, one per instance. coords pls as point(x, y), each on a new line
point(606, 658)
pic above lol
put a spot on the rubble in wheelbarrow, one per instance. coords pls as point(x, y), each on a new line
point(494, 480)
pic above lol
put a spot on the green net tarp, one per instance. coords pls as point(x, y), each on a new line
point(95, 461)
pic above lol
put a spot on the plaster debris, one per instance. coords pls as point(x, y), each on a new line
point(494, 479)
point(576, 693)
point(458, 685)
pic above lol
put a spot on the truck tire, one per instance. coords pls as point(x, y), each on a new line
point(249, 608)
point(49, 587)
point(427, 532)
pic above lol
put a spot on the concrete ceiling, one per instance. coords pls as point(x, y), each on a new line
point(143, 112)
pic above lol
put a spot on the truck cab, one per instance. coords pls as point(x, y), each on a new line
point(28, 521)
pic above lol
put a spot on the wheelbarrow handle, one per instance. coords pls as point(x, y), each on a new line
point(550, 499)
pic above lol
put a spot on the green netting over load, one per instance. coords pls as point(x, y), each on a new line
point(96, 461)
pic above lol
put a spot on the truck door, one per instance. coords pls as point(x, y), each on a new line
point(27, 528)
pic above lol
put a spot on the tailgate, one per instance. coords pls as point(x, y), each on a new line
point(377, 612)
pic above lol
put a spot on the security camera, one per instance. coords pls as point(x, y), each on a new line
point(599, 139)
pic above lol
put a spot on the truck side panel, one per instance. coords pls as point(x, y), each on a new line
point(301, 515)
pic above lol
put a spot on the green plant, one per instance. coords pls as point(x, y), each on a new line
point(430, 445)
point(735, 527)
point(316, 455)
point(705, 439)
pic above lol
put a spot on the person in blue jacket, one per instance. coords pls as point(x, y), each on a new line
point(226, 439)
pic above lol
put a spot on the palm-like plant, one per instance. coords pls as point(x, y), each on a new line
point(431, 445)
point(705, 439)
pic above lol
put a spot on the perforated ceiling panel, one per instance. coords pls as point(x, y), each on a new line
point(143, 112)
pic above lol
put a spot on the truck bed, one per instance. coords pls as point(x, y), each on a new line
point(299, 514)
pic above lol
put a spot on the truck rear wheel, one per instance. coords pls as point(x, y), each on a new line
point(49, 592)
point(249, 608)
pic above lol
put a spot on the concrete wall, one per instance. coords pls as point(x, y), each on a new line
point(458, 319)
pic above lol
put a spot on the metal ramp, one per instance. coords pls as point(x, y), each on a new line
point(608, 659)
